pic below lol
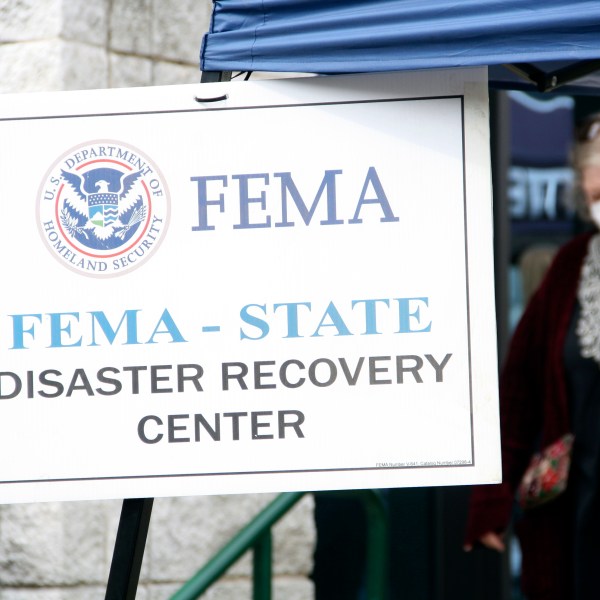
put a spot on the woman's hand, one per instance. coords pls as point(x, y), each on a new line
point(491, 540)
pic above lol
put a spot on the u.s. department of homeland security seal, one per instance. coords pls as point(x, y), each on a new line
point(103, 208)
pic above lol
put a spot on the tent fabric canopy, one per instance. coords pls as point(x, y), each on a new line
point(350, 36)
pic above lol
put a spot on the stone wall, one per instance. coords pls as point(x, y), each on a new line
point(62, 551)
point(88, 44)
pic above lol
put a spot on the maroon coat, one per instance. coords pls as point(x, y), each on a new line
point(534, 412)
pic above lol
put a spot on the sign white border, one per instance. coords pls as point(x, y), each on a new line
point(469, 87)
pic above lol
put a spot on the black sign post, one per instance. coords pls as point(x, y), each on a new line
point(135, 513)
point(129, 549)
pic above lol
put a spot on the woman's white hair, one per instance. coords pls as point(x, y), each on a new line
point(585, 153)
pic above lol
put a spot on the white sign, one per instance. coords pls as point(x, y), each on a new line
point(289, 288)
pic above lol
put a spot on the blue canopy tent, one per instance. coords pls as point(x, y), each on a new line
point(548, 43)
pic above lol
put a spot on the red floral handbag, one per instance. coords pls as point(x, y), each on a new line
point(546, 476)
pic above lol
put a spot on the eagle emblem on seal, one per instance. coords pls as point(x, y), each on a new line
point(100, 207)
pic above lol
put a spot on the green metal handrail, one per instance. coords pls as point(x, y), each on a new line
point(257, 535)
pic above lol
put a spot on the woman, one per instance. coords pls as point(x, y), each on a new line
point(550, 385)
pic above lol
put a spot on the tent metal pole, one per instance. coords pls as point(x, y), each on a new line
point(573, 72)
point(530, 73)
point(215, 76)
point(548, 82)
point(500, 150)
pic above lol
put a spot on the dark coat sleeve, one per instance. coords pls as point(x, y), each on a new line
point(533, 400)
